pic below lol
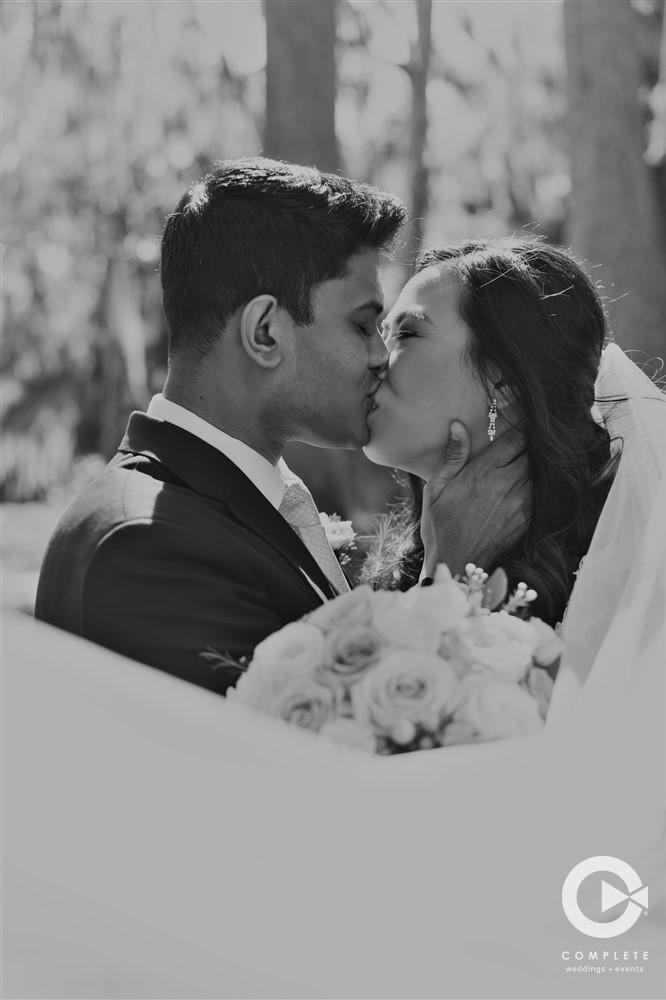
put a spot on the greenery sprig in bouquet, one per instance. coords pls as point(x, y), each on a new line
point(389, 671)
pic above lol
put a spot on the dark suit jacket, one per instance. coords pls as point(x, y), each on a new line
point(173, 552)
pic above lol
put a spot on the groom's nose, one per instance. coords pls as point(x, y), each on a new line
point(378, 355)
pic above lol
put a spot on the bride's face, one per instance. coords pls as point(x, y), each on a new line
point(428, 384)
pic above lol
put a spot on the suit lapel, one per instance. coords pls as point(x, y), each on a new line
point(206, 470)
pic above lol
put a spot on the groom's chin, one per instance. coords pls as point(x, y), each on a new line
point(356, 438)
point(358, 444)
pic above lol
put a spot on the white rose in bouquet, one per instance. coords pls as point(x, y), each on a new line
point(305, 701)
point(548, 644)
point(295, 652)
point(487, 709)
point(443, 604)
point(350, 733)
point(401, 627)
point(540, 685)
point(296, 648)
point(350, 651)
point(347, 610)
point(498, 643)
point(384, 670)
point(382, 600)
point(419, 618)
point(406, 691)
point(308, 702)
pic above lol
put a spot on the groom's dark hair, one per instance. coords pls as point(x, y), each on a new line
point(257, 226)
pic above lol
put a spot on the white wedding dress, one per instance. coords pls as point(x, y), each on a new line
point(162, 842)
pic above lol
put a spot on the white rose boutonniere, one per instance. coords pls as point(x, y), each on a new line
point(340, 534)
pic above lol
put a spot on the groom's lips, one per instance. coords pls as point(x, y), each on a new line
point(372, 397)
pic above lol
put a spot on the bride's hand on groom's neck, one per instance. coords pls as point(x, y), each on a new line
point(472, 508)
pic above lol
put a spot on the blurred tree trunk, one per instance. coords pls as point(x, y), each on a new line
point(419, 174)
point(616, 216)
point(301, 85)
point(119, 380)
point(655, 155)
point(301, 82)
point(119, 377)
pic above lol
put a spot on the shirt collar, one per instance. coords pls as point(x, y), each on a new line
point(269, 480)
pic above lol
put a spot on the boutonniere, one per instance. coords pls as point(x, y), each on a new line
point(340, 534)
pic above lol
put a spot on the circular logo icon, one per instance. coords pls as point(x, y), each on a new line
point(635, 898)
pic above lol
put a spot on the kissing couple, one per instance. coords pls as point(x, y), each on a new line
point(489, 381)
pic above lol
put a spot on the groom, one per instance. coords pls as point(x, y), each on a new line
point(197, 540)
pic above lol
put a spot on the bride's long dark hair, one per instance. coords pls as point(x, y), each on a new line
point(535, 317)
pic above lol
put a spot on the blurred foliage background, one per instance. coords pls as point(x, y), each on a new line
point(487, 117)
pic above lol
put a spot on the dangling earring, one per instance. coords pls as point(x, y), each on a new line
point(492, 417)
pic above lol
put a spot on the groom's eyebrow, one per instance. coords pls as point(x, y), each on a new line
point(371, 308)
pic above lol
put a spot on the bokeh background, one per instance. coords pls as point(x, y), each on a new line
point(486, 116)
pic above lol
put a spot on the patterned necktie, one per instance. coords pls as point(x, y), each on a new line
point(300, 511)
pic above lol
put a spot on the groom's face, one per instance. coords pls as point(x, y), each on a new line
point(340, 357)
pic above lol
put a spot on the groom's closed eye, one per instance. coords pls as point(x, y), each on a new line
point(366, 319)
point(368, 329)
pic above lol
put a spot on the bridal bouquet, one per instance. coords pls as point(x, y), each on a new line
point(389, 671)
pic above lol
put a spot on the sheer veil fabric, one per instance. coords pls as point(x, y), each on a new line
point(162, 842)
point(618, 601)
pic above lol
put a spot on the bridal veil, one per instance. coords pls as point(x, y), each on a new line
point(617, 611)
point(161, 842)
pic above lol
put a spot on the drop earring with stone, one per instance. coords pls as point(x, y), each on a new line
point(492, 417)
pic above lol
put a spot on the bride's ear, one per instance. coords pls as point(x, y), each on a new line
point(502, 392)
point(260, 331)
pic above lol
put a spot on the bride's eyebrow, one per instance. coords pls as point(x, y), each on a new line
point(415, 314)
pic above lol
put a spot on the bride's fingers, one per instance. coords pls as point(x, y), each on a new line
point(506, 447)
point(455, 457)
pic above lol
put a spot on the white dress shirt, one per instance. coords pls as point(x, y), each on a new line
point(268, 479)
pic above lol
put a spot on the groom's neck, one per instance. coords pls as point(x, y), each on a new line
point(224, 413)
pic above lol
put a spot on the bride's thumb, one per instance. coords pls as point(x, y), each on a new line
point(455, 456)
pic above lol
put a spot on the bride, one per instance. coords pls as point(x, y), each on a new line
point(507, 335)
point(498, 335)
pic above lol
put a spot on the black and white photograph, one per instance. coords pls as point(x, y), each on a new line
point(333, 516)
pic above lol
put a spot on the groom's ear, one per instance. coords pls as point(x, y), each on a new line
point(260, 331)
